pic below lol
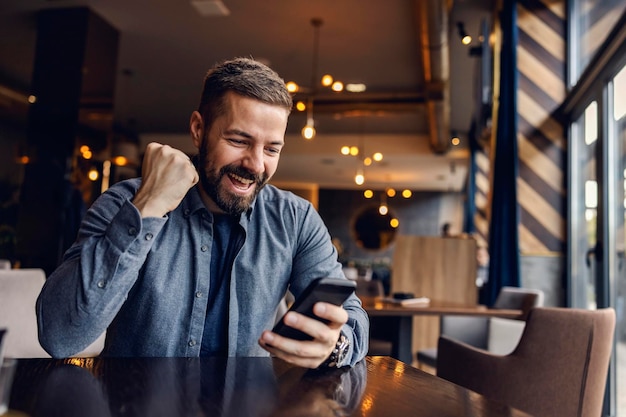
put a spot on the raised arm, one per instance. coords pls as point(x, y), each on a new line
point(82, 296)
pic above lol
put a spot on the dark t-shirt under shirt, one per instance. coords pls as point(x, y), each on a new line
point(227, 240)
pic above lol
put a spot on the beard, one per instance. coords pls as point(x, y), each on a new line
point(211, 181)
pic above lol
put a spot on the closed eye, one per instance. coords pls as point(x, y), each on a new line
point(238, 142)
point(273, 150)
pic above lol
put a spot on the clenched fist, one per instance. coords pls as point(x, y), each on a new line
point(167, 175)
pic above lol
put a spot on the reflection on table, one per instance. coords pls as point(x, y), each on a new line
point(397, 320)
point(378, 386)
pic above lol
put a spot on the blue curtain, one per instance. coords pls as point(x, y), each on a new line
point(504, 264)
point(469, 226)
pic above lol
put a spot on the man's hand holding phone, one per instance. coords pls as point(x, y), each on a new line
point(308, 333)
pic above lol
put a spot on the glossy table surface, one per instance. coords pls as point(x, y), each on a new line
point(173, 387)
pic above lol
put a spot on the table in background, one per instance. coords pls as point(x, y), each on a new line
point(399, 327)
point(252, 387)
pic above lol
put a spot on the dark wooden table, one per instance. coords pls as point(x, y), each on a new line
point(398, 320)
point(250, 387)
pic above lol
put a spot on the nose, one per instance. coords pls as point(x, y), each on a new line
point(254, 161)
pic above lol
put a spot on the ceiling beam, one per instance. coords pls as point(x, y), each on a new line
point(432, 37)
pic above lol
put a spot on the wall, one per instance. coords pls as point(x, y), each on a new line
point(546, 273)
point(422, 214)
point(12, 139)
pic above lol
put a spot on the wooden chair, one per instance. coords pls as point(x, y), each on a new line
point(559, 367)
point(476, 331)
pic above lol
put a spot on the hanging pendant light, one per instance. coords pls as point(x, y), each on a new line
point(309, 131)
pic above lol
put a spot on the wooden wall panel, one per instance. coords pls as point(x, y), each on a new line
point(542, 150)
point(438, 268)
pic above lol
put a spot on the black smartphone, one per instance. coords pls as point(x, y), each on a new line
point(330, 290)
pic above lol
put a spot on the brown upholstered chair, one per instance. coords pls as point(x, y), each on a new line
point(559, 367)
point(476, 331)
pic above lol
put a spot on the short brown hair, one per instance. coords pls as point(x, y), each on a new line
point(243, 76)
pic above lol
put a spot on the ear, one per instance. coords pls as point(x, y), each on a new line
point(196, 128)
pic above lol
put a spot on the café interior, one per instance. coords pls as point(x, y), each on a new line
point(467, 155)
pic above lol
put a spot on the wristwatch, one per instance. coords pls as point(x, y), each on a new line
point(339, 353)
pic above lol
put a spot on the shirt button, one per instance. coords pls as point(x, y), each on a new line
point(149, 236)
point(192, 343)
point(187, 211)
point(204, 248)
point(132, 231)
point(101, 284)
point(199, 294)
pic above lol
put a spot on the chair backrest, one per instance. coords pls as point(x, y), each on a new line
point(467, 329)
point(519, 299)
point(559, 367)
point(504, 334)
point(19, 289)
point(476, 331)
point(369, 288)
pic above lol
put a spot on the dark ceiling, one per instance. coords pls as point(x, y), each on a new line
point(419, 77)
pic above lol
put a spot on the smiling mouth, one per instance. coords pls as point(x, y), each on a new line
point(240, 182)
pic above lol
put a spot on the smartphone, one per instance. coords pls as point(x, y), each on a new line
point(330, 290)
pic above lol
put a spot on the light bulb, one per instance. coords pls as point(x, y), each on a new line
point(337, 86)
point(120, 161)
point(359, 178)
point(292, 87)
point(383, 209)
point(308, 132)
point(93, 174)
point(327, 80)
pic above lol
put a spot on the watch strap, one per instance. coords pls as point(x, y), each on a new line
point(339, 353)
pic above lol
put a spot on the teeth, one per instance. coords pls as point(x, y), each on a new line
point(241, 179)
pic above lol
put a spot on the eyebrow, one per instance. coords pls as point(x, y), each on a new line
point(238, 133)
point(249, 136)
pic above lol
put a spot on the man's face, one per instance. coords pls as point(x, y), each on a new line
point(240, 152)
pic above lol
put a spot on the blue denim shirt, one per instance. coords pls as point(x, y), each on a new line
point(145, 281)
